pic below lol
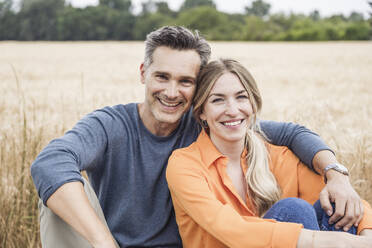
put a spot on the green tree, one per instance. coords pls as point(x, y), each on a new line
point(117, 4)
point(5, 6)
point(163, 8)
point(144, 24)
point(214, 25)
point(189, 4)
point(357, 31)
point(148, 7)
point(95, 23)
point(9, 27)
point(38, 19)
point(370, 19)
point(258, 8)
point(356, 17)
point(315, 15)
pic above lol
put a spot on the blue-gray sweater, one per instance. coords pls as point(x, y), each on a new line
point(126, 167)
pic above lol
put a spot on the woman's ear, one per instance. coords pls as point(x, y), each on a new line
point(203, 117)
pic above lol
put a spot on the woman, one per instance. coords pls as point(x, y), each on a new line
point(226, 187)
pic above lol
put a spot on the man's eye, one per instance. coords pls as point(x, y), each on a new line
point(161, 77)
point(187, 82)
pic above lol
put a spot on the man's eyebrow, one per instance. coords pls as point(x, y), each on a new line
point(189, 78)
point(168, 74)
point(161, 72)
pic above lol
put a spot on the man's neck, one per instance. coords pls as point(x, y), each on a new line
point(154, 126)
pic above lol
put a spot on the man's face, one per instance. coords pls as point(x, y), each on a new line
point(170, 85)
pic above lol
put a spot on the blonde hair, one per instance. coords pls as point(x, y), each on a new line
point(262, 187)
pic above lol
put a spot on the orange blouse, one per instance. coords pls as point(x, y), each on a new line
point(211, 214)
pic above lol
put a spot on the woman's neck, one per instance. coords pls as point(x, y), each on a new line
point(232, 150)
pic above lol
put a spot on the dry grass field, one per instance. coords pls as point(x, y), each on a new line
point(46, 87)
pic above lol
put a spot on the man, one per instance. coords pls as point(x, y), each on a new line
point(124, 150)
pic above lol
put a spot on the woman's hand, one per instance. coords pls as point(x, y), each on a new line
point(324, 239)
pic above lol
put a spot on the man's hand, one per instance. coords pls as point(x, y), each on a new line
point(348, 205)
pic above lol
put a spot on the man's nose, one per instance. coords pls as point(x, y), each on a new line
point(172, 90)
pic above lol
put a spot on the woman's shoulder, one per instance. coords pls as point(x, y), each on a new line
point(281, 154)
point(180, 156)
point(184, 162)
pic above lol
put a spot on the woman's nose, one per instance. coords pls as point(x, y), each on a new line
point(232, 108)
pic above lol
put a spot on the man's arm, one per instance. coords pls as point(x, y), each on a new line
point(57, 177)
point(300, 140)
point(71, 204)
point(313, 152)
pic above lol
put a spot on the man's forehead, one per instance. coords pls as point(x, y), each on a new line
point(188, 56)
point(166, 59)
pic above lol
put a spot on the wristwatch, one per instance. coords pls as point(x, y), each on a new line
point(337, 167)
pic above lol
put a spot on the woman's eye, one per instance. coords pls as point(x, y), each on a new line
point(242, 97)
point(217, 100)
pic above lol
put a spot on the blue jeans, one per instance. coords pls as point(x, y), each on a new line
point(296, 210)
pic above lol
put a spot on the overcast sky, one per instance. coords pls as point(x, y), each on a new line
point(326, 7)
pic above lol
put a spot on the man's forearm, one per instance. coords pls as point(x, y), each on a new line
point(71, 203)
point(320, 162)
point(322, 159)
point(302, 141)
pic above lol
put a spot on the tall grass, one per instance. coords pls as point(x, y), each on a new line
point(46, 87)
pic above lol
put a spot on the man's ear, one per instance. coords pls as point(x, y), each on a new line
point(142, 71)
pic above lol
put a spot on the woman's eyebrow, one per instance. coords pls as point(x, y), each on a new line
point(216, 94)
point(241, 92)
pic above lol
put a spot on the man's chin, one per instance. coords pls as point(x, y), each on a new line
point(173, 118)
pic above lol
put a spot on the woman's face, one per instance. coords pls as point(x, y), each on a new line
point(227, 110)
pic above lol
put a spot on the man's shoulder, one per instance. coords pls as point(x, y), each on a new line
point(113, 119)
point(118, 109)
point(189, 125)
point(117, 112)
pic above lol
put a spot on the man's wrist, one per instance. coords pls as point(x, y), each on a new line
point(322, 159)
point(105, 240)
point(332, 174)
point(334, 169)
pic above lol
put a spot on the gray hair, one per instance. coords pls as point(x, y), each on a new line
point(176, 37)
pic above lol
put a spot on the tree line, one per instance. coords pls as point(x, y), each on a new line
point(114, 20)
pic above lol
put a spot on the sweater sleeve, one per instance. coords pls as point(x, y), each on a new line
point(300, 140)
point(63, 158)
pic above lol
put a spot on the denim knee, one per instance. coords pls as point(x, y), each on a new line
point(294, 210)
